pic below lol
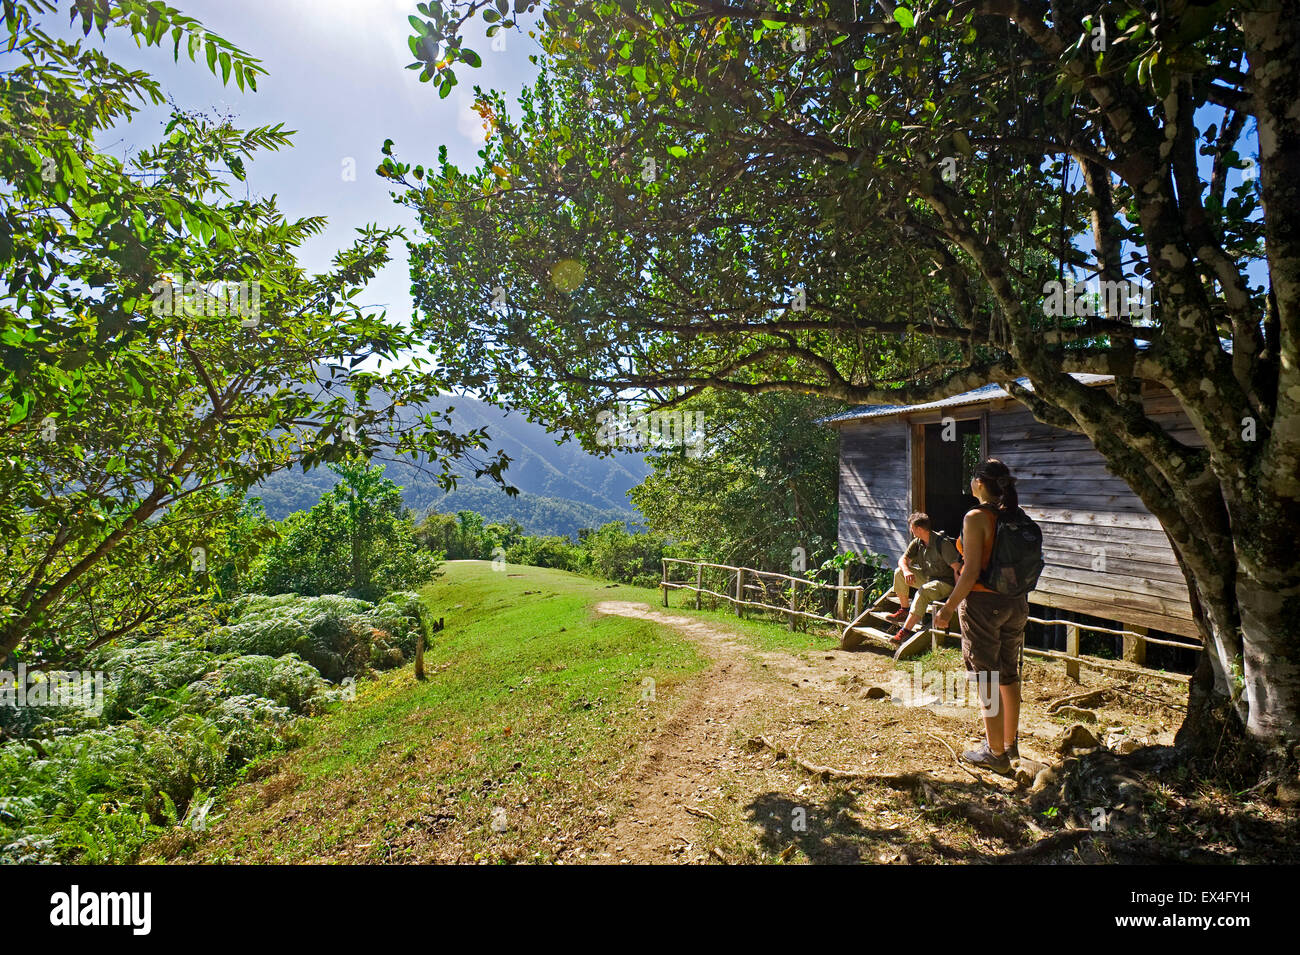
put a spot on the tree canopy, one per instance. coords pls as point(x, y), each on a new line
point(893, 203)
point(161, 350)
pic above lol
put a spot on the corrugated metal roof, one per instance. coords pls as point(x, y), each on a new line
point(977, 396)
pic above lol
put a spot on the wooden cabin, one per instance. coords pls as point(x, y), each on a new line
point(1107, 556)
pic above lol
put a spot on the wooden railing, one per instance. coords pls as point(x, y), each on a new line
point(743, 582)
point(1135, 643)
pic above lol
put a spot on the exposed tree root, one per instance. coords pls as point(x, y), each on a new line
point(987, 821)
point(1081, 699)
point(1056, 842)
point(897, 780)
point(984, 819)
point(969, 772)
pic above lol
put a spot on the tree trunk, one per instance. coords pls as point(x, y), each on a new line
point(1243, 713)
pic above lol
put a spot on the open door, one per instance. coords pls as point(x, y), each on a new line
point(943, 457)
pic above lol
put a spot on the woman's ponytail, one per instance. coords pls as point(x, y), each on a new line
point(996, 476)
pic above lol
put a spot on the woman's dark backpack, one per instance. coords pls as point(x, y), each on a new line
point(1016, 560)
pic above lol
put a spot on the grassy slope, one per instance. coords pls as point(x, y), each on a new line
point(531, 707)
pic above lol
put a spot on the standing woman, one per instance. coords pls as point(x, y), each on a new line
point(992, 624)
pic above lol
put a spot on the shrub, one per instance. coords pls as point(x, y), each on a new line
point(187, 718)
point(252, 726)
point(630, 558)
point(402, 602)
point(140, 675)
point(557, 552)
point(185, 755)
point(253, 605)
point(264, 635)
point(287, 681)
point(322, 630)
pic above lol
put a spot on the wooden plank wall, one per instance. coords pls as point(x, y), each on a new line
point(874, 487)
point(1088, 514)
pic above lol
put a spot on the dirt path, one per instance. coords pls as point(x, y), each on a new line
point(830, 703)
point(684, 754)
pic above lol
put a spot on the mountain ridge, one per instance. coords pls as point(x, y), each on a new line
point(562, 487)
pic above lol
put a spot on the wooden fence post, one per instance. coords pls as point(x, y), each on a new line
point(794, 599)
point(740, 591)
point(857, 603)
point(699, 583)
point(1135, 648)
point(663, 584)
point(842, 596)
point(1072, 648)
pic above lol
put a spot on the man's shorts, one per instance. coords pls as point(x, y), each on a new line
point(992, 633)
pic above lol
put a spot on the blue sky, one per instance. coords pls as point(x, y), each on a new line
point(336, 75)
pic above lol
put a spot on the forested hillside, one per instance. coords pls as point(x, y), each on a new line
point(562, 488)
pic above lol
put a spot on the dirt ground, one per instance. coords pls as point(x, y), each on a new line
point(842, 756)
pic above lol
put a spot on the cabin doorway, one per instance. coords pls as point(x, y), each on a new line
point(948, 453)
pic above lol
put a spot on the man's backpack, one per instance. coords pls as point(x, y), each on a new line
point(1017, 557)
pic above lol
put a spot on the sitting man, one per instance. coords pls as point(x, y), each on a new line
point(931, 564)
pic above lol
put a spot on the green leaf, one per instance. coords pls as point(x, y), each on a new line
point(225, 66)
point(904, 18)
point(678, 151)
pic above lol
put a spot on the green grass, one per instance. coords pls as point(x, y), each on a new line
point(532, 705)
point(518, 748)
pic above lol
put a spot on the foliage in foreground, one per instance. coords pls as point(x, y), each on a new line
point(182, 716)
point(161, 348)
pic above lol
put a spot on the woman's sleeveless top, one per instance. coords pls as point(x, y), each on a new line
point(988, 548)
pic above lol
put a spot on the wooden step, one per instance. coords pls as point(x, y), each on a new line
point(880, 621)
point(857, 635)
point(921, 641)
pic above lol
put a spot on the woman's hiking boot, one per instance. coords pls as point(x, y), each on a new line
point(984, 757)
